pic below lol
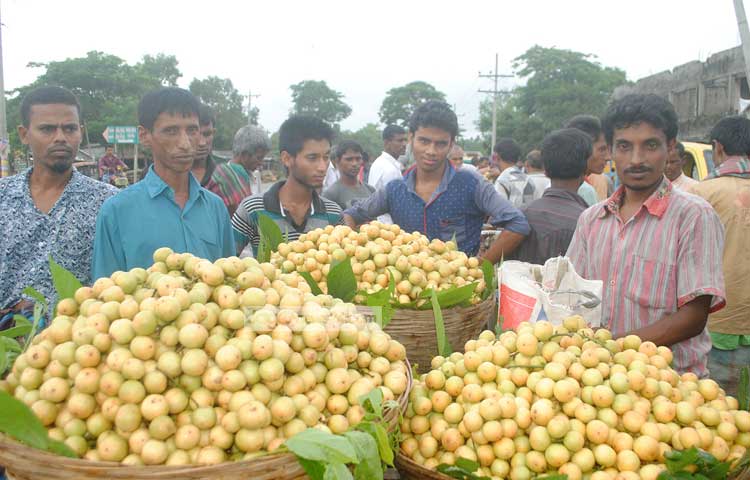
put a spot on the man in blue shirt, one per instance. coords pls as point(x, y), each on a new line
point(439, 201)
point(168, 208)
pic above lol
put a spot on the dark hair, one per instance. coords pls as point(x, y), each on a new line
point(588, 124)
point(434, 114)
point(733, 133)
point(636, 108)
point(346, 145)
point(166, 100)
point(534, 159)
point(680, 149)
point(298, 128)
point(391, 131)
point(206, 115)
point(47, 96)
point(565, 153)
point(508, 150)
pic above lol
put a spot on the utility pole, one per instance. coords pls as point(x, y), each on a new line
point(495, 76)
point(250, 106)
point(4, 144)
point(739, 11)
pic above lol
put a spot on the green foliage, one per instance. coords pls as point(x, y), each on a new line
point(316, 98)
point(227, 103)
point(400, 102)
point(270, 237)
point(693, 464)
point(463, 469)
point(370, 137)
point(743, 389)
point(443, 344)
point(65, 282)
point(559, 85)
point(18, 421)
point(341, 281)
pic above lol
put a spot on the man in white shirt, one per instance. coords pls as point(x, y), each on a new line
point(512, 184)
point(386, 168)
point(456, 157)
point(535, 171)
point(673, 169)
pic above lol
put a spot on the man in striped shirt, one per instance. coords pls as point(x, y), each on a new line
point(657, 250)
point(294, 204)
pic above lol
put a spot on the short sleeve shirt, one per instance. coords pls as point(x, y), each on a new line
point(346, 196)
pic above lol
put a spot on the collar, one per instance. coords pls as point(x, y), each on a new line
point(735, 166)
point(155, 186)
point(18, 185)
point(448, 174)
point(272, 201)
point(656, 204)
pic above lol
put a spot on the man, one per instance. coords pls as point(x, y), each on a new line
point(50, 209)
point(386, 167)
point(535, 171)
point(673, 170)
point(657, 249)
point(348, 190)
point(512, 184)
point(205, 163)
point(553, 217)
point(601, 186)
point(727, 189)
point(168, 208)
point(234, 181)
point(294, 203)
point(456, 158)
point(108, 164)
point(439, 201)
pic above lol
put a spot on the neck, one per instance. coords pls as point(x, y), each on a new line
point(504, 166)
point(179, 181)
point(49, 179)
point(349, 181)
point(431, 176)
point(392, 154)
point(294, 192)
point(200, 162)
point(638, 197)
point(567, 184)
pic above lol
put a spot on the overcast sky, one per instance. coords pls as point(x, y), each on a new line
point(363, 48)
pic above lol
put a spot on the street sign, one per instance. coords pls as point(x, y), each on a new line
point(121, 134)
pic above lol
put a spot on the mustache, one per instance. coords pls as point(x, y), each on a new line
point(61, 149)
point(639, 169)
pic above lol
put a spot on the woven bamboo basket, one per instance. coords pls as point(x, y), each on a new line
point(415, 329)
point(25, 463)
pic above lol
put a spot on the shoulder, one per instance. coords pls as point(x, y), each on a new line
point(689, 204)
point(331, 206)
point(212, 198)
point(13, 183)
point(126, 198)
point(332, 191)
point(96, 187)
point(251, 204)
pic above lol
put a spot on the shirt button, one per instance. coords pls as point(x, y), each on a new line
point(612, 282)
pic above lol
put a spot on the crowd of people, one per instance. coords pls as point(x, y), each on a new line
point(672, 252)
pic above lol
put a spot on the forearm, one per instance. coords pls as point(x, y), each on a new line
point(349, 221)
point(505, 244)
point(687, 322)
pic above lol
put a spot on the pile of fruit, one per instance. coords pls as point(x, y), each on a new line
point(377, 252)
point(194, 362)
point(566, 399)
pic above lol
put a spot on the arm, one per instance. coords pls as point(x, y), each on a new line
point(687, 322)
point(367, 210)
point(228, 245)
point(108, 254)
point(505, 244)
point(501, 214)
point(243, 229)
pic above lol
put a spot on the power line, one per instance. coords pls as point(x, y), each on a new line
point(494, 92)
point(250, 97)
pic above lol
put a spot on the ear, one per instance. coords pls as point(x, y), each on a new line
point(144, 136)
point(719, 148)
point(22, 132)
point(286, 159)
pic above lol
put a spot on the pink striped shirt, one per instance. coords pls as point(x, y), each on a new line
point(667, 254)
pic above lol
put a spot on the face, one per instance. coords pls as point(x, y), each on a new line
point(253, 161)
point(456, 158)
point(349, 163)
point(640, 154)
point(53, 134)
point(205, 141)
point(599, 156)
point(430, 147)
point(673, 167)
point(396, 146)
point(110, 151)
point(310, 165)
point(173, 141)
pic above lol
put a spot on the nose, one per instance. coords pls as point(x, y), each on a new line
point(184, 142)
point(60, 136)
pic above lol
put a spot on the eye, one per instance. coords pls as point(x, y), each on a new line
point(70, 128)
point(47, 128)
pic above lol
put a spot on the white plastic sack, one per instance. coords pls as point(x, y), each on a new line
point(553, 291)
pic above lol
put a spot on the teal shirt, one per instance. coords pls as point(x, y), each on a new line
point(587, 192)
point(144, 217)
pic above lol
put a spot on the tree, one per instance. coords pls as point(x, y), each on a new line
point(161, 67)
point(316, 98)
point(559, 85)
point(400, 102)
point(226, 102)
point(370, 137)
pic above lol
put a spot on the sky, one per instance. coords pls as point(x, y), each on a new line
point(363, 48)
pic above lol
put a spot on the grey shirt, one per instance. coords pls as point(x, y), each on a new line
point(347, 196)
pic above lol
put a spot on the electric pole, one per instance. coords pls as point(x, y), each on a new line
point(250, 97)
point(739, 11)
point(495, 76)
point(4, 144)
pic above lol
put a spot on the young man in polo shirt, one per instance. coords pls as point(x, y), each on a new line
point(439, 201)
point(348, 190)
point(657, 250)
point(294, 204)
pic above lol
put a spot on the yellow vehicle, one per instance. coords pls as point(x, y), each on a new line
point(699, 160)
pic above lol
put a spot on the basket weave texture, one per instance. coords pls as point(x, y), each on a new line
point(415, 329)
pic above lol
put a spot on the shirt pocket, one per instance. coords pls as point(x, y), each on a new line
point(652, 283)
point(450, 227)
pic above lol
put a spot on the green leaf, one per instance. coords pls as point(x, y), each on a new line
point(314, 288)
point(372, 402)
point(463, 469)
point(676, 461)
point(10, 344)
point(378, 432)
point(466, 464)
point(34, 293)
point(490, 278)
point(369, 465)
point(553, 477)
point(3, 359)
point(22, 327)
point(59, 448)
point(270, 237)
point(743, 390)
point(342, 283)
point(444, 346)
point(18, 421)
point(450, 297)
point(65, 282)
point(313, 444)
point(337, 471)
point(313, 468)
point(382, 299)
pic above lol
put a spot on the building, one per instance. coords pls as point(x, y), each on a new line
point(701, 92)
